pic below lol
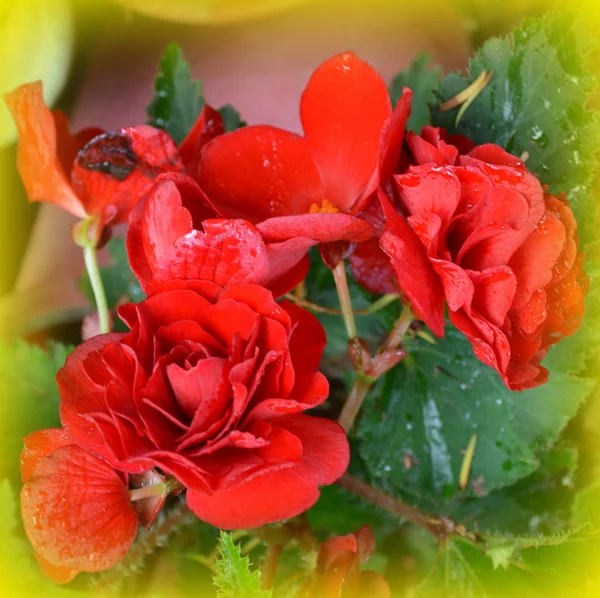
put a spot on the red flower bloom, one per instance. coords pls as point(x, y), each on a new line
point(311, 186)
point(482, 237)
point(90, 174)
point(369, 264)
point(338, 572)
point(75, 507)
point(173, 234)
point(208, 386)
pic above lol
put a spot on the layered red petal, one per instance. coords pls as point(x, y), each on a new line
point(284, 492)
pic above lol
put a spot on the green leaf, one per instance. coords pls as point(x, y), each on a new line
point(234, 578)
point(559, 565)
point(178, 99)
point(538, 503)
point(231, 118)
point(425, 411)
point(586, 507)
point(30, 396)
point(536, 103)
point(119, 282)
point(423, 80)
point(457, 572)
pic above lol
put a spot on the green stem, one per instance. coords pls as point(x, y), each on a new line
point(91, 264)
point(341, 285)
point(382, 302)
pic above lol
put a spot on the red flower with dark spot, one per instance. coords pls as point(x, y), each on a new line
point(75, 507)
point(90, 174)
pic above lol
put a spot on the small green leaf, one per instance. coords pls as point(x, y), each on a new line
point(30, 396)
point(178, 99)
point(119, 282)
point(425, 411)
point(535, 106)
point(235, 579)
point(423, 80)
point(231, 118)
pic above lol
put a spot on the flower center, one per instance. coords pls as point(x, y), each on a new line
point(326, 207)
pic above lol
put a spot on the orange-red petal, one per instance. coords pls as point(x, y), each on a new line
point(76, 511)
point(38, 157)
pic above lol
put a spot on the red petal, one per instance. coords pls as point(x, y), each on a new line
point(37, 160)
point(343, 110)
point(393, 137)
point(429, 189)
point(208, 126)
point(38, 445)
point(260, 172)
point(372, 269)
point(283, 277)
point(68, 145)
point(320, 227)
point(534, 260)
point(76, 511)
point(163, 245)
point(115, 170)
point(282, 493)
point(425, 152)
point(307, 340)
point(414, 271)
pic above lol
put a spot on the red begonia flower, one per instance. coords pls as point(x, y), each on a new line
point(311, 185)
point(338, 572)
point(208, 386)
point(173, 234)
point(89, 174)
point(369, 264)
point(482, 237)
point(75, 507)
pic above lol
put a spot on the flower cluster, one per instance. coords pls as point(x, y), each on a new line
point(206, 392)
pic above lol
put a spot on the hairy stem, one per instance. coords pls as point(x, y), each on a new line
point(440, 528)
point(91, 264)
point(341, 284)
point(146, 543)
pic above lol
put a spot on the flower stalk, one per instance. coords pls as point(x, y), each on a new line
point(341, 285)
